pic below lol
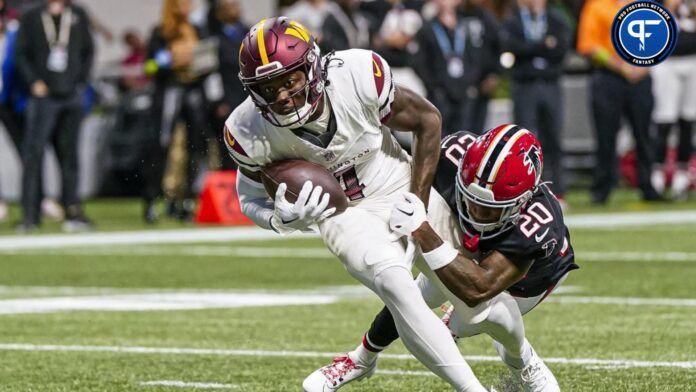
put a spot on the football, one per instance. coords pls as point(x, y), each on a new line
point(294, 172)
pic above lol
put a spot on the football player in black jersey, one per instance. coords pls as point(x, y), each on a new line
point(514, 248)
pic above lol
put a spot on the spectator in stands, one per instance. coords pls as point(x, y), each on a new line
point(450, 63)
point(230, 33)
point(133, 64)
point(618, 89)
point(311, 13)
point(179, 96)
point(675, 102)
point(14, 99)
point(396, 24)
point(479, 18)
point(8, 32)
point(538, 38)
point(54, 53)
point(345, 27)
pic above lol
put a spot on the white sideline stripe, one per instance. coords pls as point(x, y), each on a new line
point(44, 291)
point(184, 384)
point(182, 236)
point(623, 301)
point(636, 256)
point(15, 242)
point(179, 301)
point(317, 253)
point(629, 219)
point(207, 251)
point(405, 373)
point(629, 363)
point(158, 302)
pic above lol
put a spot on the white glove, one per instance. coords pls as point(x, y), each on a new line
point(407, 215)
point(310, 208)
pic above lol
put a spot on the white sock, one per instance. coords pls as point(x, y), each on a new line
point(362, 355)
point(513, 359)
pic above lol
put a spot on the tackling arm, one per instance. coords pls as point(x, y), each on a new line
point(411, 112)
point(472, 283)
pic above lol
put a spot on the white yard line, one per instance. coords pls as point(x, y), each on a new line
point(184, 384)
point(623, 301)
point(200, 235)
point(629, 219)
point(195, 300)
point(158, 302)
point(636, 256)
point(405, 373)
point(310, 253)
point(176, 236)
point(193, 250)
point(628, 363)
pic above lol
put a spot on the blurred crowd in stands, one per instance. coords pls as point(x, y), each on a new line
point(177, 86)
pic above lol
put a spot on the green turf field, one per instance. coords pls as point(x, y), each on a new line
point(261, 315)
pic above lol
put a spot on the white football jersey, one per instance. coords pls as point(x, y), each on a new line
point(363, 154)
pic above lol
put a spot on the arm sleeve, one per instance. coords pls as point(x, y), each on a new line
point(23, 51)
point(88, 50)
point(255, 203)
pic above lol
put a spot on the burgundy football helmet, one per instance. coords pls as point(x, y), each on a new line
point(501, 169)
point(273, 48)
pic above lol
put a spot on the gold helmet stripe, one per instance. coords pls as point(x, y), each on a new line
point(261, 42)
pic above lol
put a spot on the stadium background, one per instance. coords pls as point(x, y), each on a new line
point(182, 306)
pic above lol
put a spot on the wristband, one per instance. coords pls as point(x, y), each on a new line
point(440, 256)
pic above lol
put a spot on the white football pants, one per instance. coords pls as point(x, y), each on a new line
point(360, 237)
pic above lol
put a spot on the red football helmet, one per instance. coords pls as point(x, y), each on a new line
point(501, 170)
point(275, 47)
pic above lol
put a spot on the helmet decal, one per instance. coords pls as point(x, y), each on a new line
point(533, 161)
point(296, 29)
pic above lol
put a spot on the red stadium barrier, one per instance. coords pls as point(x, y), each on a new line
point(628, 171)
point(218, 202)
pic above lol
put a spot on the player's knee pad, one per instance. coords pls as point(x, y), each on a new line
point(461, 328)
point(383, 257)
point(504, 322)
point(395, 283)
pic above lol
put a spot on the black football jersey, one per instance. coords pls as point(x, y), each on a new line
point(539, 234)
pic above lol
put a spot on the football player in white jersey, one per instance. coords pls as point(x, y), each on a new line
point(337, 112)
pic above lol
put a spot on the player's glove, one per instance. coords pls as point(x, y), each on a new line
point(310, 208)
point(407, 215)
